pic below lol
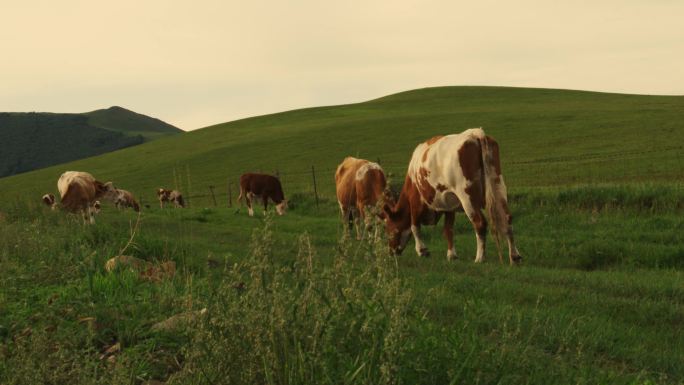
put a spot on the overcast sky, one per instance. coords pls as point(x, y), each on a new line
point(198, 63)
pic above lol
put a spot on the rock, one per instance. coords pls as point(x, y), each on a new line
point(178, 321)
point(126, 261)
point(147, 270)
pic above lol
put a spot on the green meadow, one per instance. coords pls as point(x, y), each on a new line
point(595, 187)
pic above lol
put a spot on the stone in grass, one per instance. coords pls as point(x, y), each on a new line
point(121, 261)
point(178, 321)
point(147, 270)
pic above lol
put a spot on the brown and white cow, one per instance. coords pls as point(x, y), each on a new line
point(447, 174)
point(170, 196)
point(49, 200)
point(360, 185)
point(123, 199)
point(265, 187)
point(79, 190)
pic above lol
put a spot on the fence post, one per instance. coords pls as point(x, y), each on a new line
point(230, 195)
point(313, 173)
point(213, 197)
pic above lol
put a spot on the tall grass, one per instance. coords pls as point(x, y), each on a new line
point(303, 322)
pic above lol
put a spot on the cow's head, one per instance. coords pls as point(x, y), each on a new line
point(281, 207)
point(397, 227)
point(49, 200)
point(96, 207)
point(106, 190)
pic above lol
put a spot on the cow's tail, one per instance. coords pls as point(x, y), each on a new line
point(495, 189)
point(242, 192)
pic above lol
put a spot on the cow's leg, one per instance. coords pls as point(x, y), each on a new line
point(449, 234)
point(347, 221)
point(265, 200)
point(513, 253)
point(248, 201)
point(88, 215)
point(472, 203)
point(359, 221)
point(421, 248)
point(368, 217)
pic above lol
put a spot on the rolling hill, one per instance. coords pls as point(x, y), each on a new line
point(548, 138)
point(30, 141)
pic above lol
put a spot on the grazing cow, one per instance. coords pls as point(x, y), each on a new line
point(123, 199)
point(170, 196)
point(49, 200)
point(265, 187)
point(446, 174)
point(79, 190)
point(359, 185)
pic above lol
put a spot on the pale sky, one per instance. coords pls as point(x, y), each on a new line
point(198, 63)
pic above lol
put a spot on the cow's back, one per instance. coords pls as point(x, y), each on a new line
point(262, 185)
point(345, 180)
point(369, 184)
point(441, 166)
point(77, 189)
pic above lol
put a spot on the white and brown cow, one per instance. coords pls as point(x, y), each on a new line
point(360, 185)
point(124, 198)
point(447, 174)
point(265, 187)
point(79, 190)
point(170, 196)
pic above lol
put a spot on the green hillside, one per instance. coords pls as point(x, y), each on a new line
point(548, 138)
point(33, 140)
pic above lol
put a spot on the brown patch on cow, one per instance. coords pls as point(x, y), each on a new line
point(441, 187)
point(494, 148)
point(470, 160)
point(425, 154)
point(434, 139)
point(427, 192)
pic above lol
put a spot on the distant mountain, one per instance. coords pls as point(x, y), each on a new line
point(34, 140)
point(120, 119)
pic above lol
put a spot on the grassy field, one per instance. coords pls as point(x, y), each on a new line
point(598, 210)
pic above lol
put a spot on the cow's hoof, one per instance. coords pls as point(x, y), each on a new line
point(424, 253)
point(517, 259)
point(451, 257)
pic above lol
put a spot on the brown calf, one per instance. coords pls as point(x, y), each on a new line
point(265, 187)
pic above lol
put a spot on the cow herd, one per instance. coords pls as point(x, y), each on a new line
point(446, 174)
